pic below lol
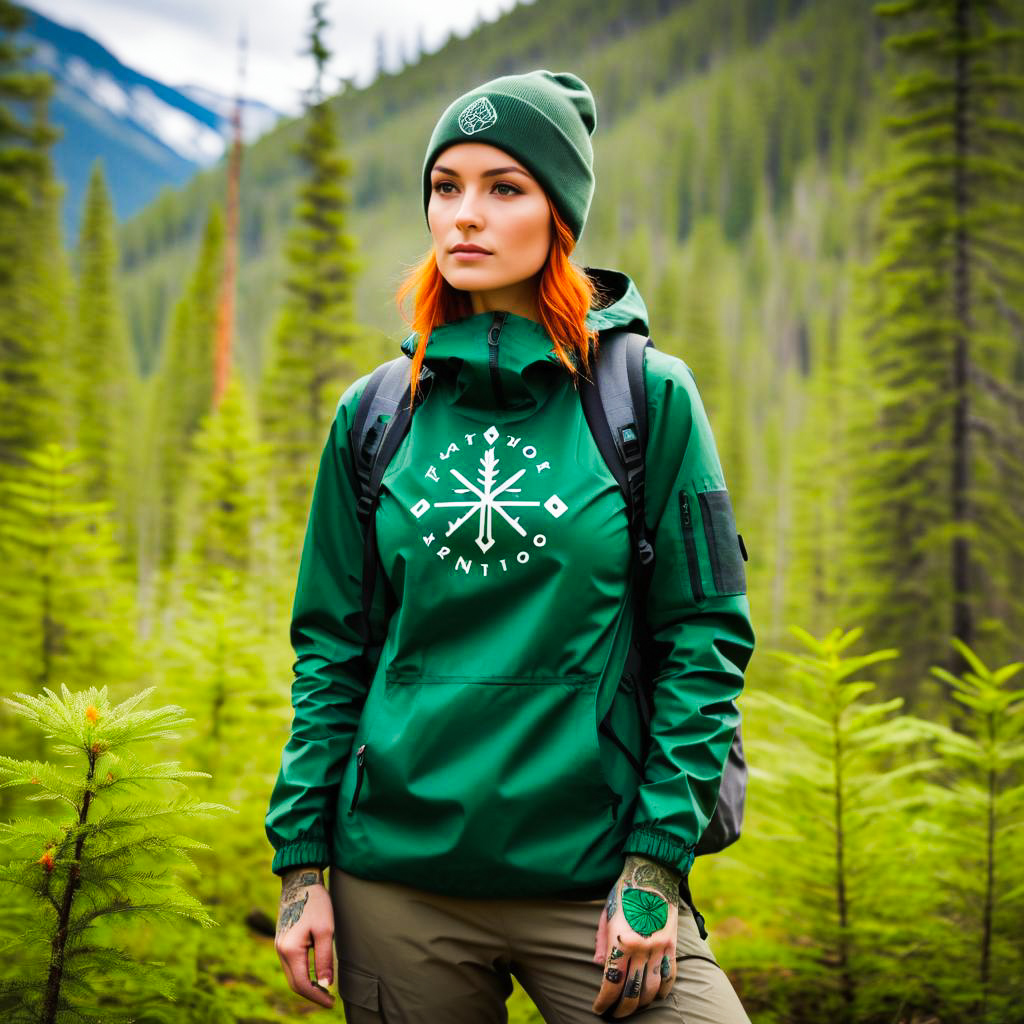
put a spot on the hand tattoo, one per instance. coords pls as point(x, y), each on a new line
point(646, 912)
point(613, 974)
point(616, 953)
point(294, 893)
point(612, 898)
point(666, 967)
point(633, 988)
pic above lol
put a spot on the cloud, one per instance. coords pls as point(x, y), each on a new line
point(195, 42)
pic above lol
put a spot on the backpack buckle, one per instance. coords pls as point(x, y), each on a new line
point(645, 551)
point(629, 444)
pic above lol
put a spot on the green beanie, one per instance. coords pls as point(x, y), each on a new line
point(544, 119)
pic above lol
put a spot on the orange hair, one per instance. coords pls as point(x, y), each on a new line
point(564, 295)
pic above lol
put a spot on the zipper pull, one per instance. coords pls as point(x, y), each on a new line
point(360, 761)
point(493, 335)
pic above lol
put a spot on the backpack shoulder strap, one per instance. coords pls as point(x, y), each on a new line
point(615, 407)
point(380, 424)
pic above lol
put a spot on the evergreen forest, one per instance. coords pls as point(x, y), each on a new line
point(822, 205)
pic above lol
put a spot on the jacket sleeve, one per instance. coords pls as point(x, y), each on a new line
point(329, 687)
point(699, 618)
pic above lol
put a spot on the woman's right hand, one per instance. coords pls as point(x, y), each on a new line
point(306, 918)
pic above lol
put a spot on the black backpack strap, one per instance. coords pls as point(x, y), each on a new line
point(380, 424)
point(615, 406)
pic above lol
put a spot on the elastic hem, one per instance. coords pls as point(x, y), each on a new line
point(299, 853)
point(662, 846)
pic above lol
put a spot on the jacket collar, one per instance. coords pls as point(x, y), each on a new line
point(506, 362)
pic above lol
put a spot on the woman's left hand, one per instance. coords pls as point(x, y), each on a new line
point(636, 937)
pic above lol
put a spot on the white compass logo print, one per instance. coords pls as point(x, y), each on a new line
point(489, 494)
point(487, 501)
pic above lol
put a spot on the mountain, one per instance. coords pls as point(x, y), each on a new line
point(148, 134)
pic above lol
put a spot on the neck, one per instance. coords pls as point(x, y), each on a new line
point(520, 298)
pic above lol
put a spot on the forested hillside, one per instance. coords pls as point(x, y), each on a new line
point(820, 203)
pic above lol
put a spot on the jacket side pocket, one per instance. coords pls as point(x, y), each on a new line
point(723, 543)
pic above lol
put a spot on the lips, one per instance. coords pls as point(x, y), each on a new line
point(470, 248)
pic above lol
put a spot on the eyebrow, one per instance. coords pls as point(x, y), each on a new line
point(486, 174)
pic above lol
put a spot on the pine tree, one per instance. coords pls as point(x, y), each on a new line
point(32, 277)
point(310, 360)
point(68, 614)
point(941, 476)
point(977, 845)
point(182, 395)
point(110, 858)
point(105, 373)
point(832, 802)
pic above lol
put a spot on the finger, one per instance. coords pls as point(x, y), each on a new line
point(298, 961)
point(652, 979)
point(667, 971)
point(632, 988)
point(323, 958)
point(614, 978)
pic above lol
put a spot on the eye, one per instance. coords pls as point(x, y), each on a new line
point(505, 184)
point(439, 187)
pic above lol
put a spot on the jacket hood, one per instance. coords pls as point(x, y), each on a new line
point(503, 360)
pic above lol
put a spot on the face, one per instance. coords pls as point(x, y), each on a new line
point(481, 196)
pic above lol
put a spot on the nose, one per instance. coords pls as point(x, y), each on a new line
point(469, 215)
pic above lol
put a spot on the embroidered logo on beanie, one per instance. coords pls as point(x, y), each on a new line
point(480, 114)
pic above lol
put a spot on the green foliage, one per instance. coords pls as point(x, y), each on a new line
point(941, 452)
point(106, 398)
point(978, 841)
point(110, 857)
point(67, 610)
point(182, 395)
point(834, 791)
point(307, 368)
point(33, 282)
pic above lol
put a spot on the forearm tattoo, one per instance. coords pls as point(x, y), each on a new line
point(294, 893)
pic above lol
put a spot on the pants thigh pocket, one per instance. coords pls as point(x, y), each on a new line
point(359, 988)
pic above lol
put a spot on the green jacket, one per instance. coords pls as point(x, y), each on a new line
point(471, 763)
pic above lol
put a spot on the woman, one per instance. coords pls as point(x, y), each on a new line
point(477, 824)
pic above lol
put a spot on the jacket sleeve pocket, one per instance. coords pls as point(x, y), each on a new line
point(723, 543)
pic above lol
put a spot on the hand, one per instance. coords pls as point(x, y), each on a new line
point(306, 918)
point(636, 937)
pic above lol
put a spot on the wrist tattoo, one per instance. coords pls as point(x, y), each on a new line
point(642, 873)
point(297, 881)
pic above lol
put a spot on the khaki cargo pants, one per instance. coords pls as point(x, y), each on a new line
point(411, 957)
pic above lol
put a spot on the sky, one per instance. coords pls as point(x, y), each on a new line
point(195, 42)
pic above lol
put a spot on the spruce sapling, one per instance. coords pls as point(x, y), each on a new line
point(109, 856)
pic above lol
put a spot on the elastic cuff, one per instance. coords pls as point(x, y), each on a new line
point(301, 852)
point(661, 846)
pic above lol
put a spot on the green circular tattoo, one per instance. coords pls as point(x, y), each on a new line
point(645, 911)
